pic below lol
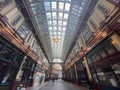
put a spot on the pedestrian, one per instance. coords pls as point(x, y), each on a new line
point(53, 80)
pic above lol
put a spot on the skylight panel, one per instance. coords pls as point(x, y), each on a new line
point(64, 23)
point(47, 5)
point(61, 5)
point(54, 28)
point(65, 16)
point(59, 36)
point(50, 28)
point(50, 33)
point(64, 29)
point(63, 33)
point(30, 0)
point(67, 6)
point(32, 5)
point(54, 14)
point(50, 22)
point(55, 33)
point(54, 22)
point(60, 15)
point(59, 28)
point(68, 0)
point(48, 15)
point(59, 33)
point(59, 22)
point(54, 6)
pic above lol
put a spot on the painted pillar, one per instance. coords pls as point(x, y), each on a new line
point(76, 72)
point(87, 68)
point(20, 70)
point(70, 74)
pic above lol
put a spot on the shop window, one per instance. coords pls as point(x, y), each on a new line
point(110, 49)
point(6, 54)
point(89, 59)
point(109, 75)
point(98, 57)
point(102, 53)
point(6, 73)
point(107, 72)
point(116, 69)
point(94, 57)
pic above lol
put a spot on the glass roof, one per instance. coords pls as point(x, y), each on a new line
point(56, 19)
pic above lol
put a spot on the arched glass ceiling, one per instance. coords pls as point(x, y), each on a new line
point(57, 21)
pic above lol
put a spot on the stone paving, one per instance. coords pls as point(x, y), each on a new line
point(58, 85)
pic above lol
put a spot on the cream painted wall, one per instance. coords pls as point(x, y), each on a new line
point(12, 15)
point(8, 8)
point(97, 16)
point(12, 12)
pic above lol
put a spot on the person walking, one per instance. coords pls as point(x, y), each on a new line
point(53, 80)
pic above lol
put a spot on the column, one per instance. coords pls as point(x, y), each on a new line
point(20, 69)
point(87, 68)
point(76, 72)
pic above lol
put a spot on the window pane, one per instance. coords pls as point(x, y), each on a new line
point(65, 16)
point(59, 28)
point(55, 33)
point(54, 22)
point(60, 15)
point(47, 5)
point(49, 22)
point(61, 5)
point(48, 15)
point(64, 23)
point(54, 28)
point(54, 7)
point(50, 28)
point(54, 15)
point(67, 6)
point(59, 22)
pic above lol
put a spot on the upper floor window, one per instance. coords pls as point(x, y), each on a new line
point(103, 9)
point(16, 20)
point(23, 30)
point(93, 24)
point(4, 3)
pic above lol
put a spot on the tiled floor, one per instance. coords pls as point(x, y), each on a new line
point(59, 85)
